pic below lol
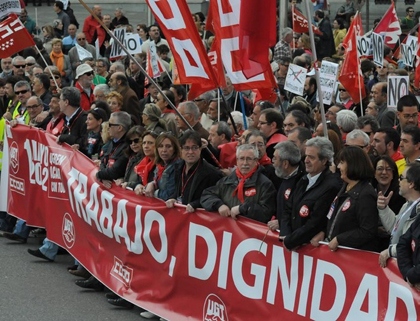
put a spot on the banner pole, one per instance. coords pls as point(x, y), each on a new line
point(318, 84)
point(45, 62)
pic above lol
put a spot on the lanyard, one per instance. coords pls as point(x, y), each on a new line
point(184, 184)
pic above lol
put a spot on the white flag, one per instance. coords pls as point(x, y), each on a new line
point(83, 53)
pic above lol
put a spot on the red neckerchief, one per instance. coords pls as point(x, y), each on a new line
point(242, 179)
point(265, 160)
point(144, 168)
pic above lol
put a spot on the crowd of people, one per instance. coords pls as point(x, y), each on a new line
point(270, 162)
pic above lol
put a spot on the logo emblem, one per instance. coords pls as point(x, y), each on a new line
point(287, 193)
point(14, 157)
point(251, 192)
point(69, 234)
point(214, 309)
point(304, 211)
point(346, 206)
point(122, 272)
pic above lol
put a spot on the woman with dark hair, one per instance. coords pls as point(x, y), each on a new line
point(167, 153)
point(339, 31)
point(143, 32)
point(94, 121)
point(353, 216)
point(386, 181)
point(145, 169)
point(134, 153)
point(102, 105)
point(49, 34)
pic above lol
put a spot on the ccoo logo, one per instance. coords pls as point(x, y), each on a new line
point(69, 234)
point(214, 309)
point(14, 157)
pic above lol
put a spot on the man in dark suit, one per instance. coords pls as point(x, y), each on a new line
point(325, 46)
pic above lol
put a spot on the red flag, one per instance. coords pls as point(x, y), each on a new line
point(255, 42)
point(417, 76)
point(189, 53)
point(225, 21)
point(300, 23)
point(14, 37)
point(350, 75)
point(390, 25)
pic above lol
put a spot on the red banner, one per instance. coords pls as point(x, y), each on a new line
point(225, 16)
point(198, 266)
point(189, 53)
point(301, 24)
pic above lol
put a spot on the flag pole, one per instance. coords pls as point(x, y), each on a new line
point(151, 80)
point(318, 84)
point(46, 64)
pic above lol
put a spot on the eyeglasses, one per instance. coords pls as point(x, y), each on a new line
point(19, 66)
point(81, 39)
point(386, 169)
point(55, 77)
point(257, 144)
point(32, 107)
point(193, 148)
point(408, 116)
point(135, 140)
point(111, 124)
point(402, 177)
point(89, 73)
point(341, 89)
point(29, 64)
point(21, 92)
point(198, 100)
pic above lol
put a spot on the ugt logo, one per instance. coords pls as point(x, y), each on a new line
point(214, 309)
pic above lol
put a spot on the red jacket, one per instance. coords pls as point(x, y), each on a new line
point(89, 28)
point(85, 100)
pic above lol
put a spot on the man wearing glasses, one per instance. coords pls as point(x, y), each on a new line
point(245, 192)
point(84, 83)
point(22, 90)
point(75, 59)
point(408, 23)
point(407, 112)
point(19, 65)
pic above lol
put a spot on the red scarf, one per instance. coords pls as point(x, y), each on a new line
point(265, 160)
point(144, 168)
point(242, 179)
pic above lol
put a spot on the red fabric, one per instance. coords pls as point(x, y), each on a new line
point(143, 169)
point(55, 127)
point(14, 36)
point(390, 25)
point(227, 157)
point(189, 54)
point(85, 100)
point(239, 190)
point(225, 23)
point(265, 94)
point(417, 75)
point(265, 160)
point(397, 156)
point(350, 75)
point(255, 42)
point(300, 23)
point(276, 138)
point(89, 28)
point(101, 34)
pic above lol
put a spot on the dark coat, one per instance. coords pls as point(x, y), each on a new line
point(261, 206)
point(129, 171)
point(205, 176)
point(325, 47)
point(75, 132)
point(354, 217)
point(408, 253)
point(113, 160)
point(308, 213)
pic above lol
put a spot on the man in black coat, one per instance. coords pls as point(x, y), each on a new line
point(194, 174)
point(325, 47)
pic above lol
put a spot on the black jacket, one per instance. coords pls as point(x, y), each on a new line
point(129, 171)
point(205, 176)
point(325, 47)
point(113, 160)
point(354, 217)
point(408, 253)
point(75, 132)
point(308, 213)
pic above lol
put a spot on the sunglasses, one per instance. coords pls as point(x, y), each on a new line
point(342, 90)
point(88, 73)
point(111, 124)
point(19, 66)
point(21, 92)
point(81, 39)
point(55, 77)
point(29, 64)
point(135, 140)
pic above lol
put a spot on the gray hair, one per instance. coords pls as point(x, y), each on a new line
point(238, 117)
point(22, 83)
point(326, 149)
point(18, 58)
point(191, 108)
point(118, 66)
point(123, 118)
point(356, 133)
point(286, 31)
point(223, 128)
point(208, 95)
point(347, 120)
point(289, 151)
point(30, 59)
point(72, 94)
point(120, 10)
point(245, 147)
point(102, 87)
